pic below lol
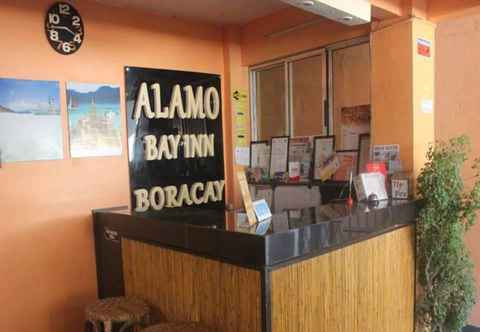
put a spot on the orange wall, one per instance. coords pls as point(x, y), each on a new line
point(270, 37)
point(458, 99)
point(47, 259)
point(235, 78)
point(442, 9)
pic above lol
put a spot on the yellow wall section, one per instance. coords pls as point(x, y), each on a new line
point(236, 78)
point(423, 93)
point(401, 81)
point(392, 76)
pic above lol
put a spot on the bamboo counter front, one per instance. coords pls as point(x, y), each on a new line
point(329, 268)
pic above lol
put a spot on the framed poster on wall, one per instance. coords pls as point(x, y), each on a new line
point(30, 120)
point(354, 121)
point(94, 119)
point(175, 143)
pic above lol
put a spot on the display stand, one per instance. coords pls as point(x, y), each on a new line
point(329, 190)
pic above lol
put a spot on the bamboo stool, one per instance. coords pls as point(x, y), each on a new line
point(177, 327)
point(129, 312)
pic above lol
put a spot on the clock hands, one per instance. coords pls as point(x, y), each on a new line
point(63, 28)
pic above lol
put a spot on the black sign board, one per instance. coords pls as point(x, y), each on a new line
point(175, 141)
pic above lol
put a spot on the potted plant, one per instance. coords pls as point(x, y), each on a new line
point(445, 269)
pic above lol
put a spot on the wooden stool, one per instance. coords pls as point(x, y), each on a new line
point(177, 327)
point(127, 311)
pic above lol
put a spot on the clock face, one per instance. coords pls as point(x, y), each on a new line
point(64, 28)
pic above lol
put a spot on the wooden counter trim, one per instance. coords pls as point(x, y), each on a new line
point(368, 286)
point(184, 287)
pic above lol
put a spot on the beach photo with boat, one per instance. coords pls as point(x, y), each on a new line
point(94, 119)
point(30, 121)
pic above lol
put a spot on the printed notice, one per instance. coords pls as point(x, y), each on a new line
point(240, 109)
point(427, 106)
point(279, 157)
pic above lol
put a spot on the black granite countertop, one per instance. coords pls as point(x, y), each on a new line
point(283, 239)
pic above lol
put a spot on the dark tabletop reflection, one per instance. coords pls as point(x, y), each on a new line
point(286, 235)
point(338, 220)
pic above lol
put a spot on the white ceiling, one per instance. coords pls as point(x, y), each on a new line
point(212, 11)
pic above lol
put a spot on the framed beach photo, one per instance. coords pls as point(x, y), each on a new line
point(94, 119)
point(30, 120)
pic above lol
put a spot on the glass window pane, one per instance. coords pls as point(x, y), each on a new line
point(351, 94)
point(307, 77)
point(270, 103)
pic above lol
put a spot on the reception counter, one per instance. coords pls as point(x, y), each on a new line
point(329, 268)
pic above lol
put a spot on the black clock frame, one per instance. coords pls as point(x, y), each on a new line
point(58, 46)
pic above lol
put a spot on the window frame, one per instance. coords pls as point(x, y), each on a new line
point(330, 52)
point(287, 63)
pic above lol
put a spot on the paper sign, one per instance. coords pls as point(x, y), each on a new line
point(279, 155)
point(240, 111)
point(242, 156)
point(427, 106)
point(424, 47)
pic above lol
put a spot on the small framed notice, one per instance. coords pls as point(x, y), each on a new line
point(279, 156)
point(300, 152)
point(260, 155)
point(400, 186)
point(323, 151)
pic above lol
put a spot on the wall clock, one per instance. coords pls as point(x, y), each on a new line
point(64, 28)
